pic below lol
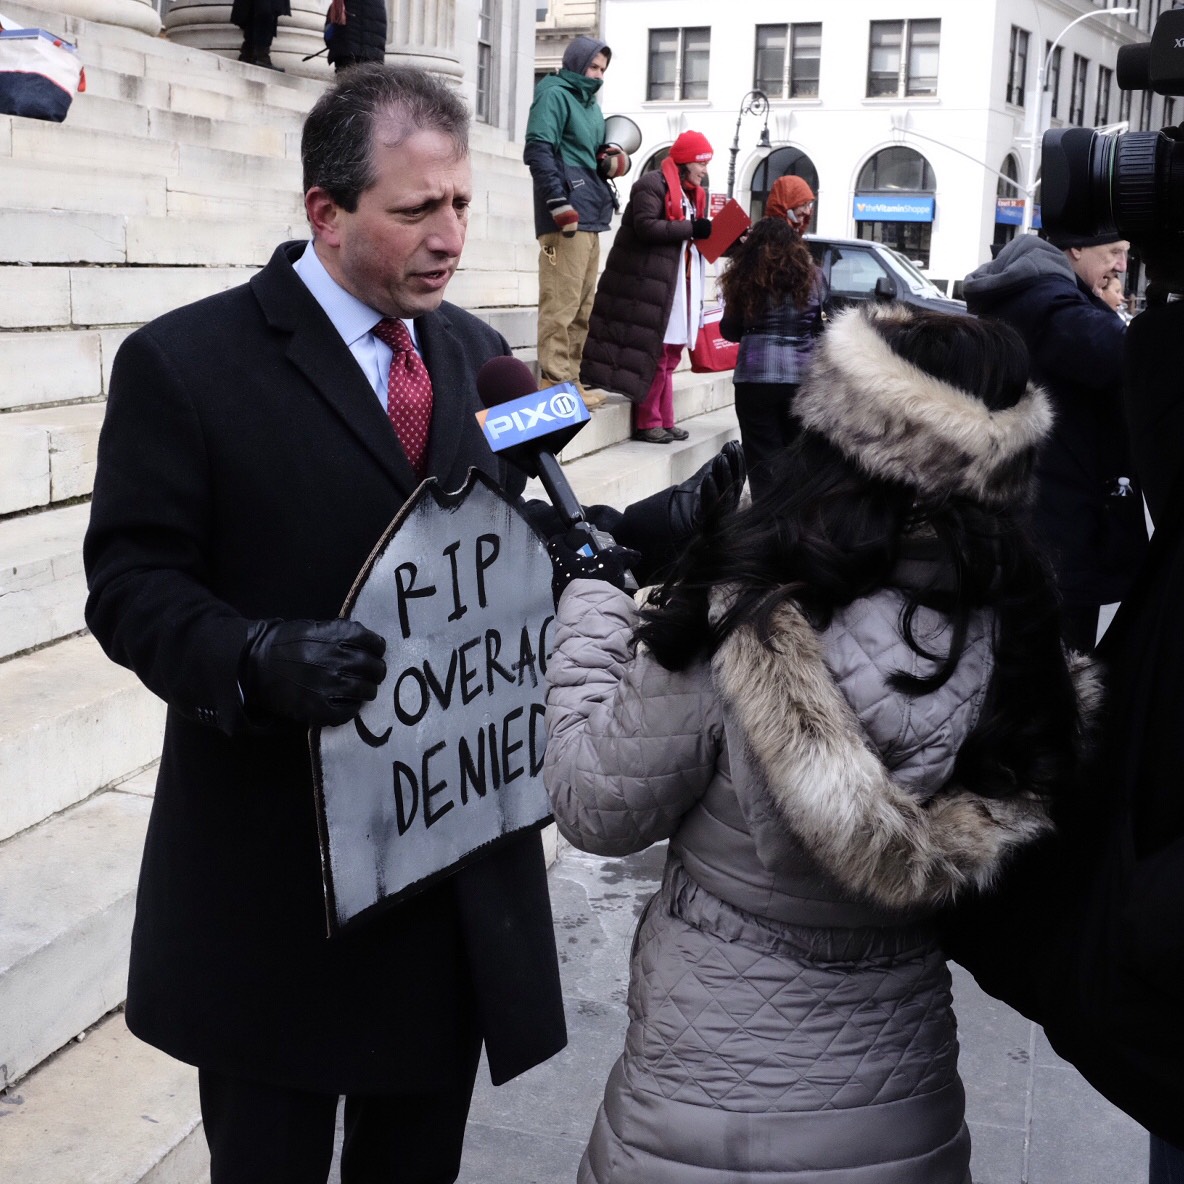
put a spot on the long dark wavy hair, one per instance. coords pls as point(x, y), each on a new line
point(828, 534)
point(770, 265)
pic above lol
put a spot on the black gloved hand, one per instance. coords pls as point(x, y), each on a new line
point(713, 489)
point(1163, 264)
point(584, 553)
point(700, 227)
point(317, 672)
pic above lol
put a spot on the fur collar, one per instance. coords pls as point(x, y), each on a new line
point(835, 795)
point(897, 422)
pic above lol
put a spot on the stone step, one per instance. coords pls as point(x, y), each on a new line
point(612, 422)
point(73, 723)
point(42, 584)
point(69, 888)
point(60, 297)
point(626, 472)
point(41, 368)
point(33, 184)
point(59, 366)
point(62, 146)
point(107, 1110)
point(47, 455)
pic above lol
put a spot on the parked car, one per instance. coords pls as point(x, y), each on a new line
point(858, 269)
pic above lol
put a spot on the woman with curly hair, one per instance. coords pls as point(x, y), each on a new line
point(773, 296)
point(849, 706)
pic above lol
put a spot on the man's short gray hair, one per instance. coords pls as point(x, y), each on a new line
point(337, 146)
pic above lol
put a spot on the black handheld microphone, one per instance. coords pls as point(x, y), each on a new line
point(528, 426)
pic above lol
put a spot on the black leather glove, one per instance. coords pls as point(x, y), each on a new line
point(713, 489)
point(700, 227)
point(660, 525)
point(317, 672)
point(1163, 263)
point(584, 553)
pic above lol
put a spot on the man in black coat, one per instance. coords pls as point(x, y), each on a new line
point(246, 468)
point(1088, 511)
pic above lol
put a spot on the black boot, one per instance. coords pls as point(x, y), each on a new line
point(247, 53)
point(263, 58)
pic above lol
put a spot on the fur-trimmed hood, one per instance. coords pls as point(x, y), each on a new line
point(899, 423)
point(835, 794)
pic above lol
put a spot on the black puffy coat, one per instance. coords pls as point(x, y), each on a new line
point(635, 294)
point(1095, 540)
point(363, 36)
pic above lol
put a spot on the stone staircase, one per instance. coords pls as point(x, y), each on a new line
point(174, 176)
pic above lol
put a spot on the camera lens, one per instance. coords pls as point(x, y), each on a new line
point(1075, 185)
point(1132, 183)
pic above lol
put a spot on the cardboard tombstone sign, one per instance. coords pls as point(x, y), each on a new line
point(448, 758)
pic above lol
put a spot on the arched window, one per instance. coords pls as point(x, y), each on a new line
point(784, 162)
point(1009, 183)
point(1008, 202)
point(896, 170)
point(894, 202)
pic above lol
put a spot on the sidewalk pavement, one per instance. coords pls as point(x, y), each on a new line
point(1032, 1118)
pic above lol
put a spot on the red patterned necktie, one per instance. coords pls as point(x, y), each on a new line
point(408, 392)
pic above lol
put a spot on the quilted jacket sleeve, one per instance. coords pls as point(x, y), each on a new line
point(631, 746)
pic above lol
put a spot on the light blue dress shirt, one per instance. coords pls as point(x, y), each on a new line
point(352, 319)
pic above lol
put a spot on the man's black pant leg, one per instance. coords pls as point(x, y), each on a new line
point(259, 1132)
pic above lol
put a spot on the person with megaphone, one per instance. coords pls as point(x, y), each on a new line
point(572, 167)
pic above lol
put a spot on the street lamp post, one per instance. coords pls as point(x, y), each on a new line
point(1038, 116)
point(756, 102)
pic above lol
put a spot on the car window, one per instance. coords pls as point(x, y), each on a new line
point(853, 273)
point(916, 280)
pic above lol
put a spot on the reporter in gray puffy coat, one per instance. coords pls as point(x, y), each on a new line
point(849, 705)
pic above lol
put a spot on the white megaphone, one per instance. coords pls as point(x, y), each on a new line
point(622, 131)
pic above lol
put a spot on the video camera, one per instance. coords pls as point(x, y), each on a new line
point(1131, 183)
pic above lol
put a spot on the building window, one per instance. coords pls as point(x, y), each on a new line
point(1124, 106)
point(486, 81)
point(540, 12)
point(1017, 66)
point(804, 61)
point(1145, 102)
point(1077, 90)
point(1052, 78)
point(678, 63)
point(769, 72)
point(1102, 106)
point(793, 75)
point(891, 71)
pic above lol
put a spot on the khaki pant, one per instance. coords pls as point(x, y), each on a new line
point(568, 268)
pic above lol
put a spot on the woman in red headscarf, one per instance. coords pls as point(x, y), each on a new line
point(649, 302)
point(792, 199)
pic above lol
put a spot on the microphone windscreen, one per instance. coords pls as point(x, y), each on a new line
point(503, 379)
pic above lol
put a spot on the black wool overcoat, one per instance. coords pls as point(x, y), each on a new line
point(246, 469)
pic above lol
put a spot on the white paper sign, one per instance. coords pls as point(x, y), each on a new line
point(448, 758)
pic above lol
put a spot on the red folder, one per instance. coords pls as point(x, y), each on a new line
point(726, 227)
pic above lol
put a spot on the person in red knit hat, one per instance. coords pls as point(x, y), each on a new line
point(649, 302)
